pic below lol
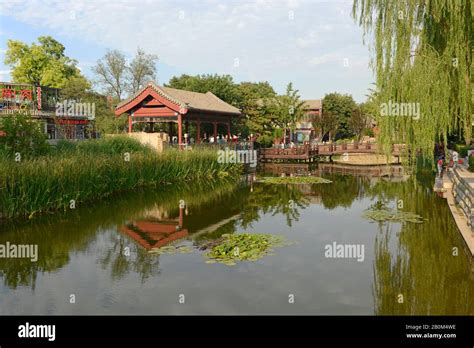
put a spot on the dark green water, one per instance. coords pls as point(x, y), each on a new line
point(99, 253)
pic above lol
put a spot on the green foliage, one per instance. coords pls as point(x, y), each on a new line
point(359, 120)
point(288, 108)
point(423, 54)
point(462, 149)
point(222, 86)
point(341, 106)
point(254, 106)
point(369, 132)
point(43, 64)
point(232, 248)
point(265, 140)
point(95, 171)
point(116, 145)
point(23, 135)
point(79, 89)
point(327, 123)
point(471, 163)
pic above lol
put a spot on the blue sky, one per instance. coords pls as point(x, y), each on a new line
point(314, 44)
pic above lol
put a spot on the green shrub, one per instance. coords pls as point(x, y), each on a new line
point(471, 163)
point(369, 132)
point(117, 145)
point(23, 135)
point(462, 149)
point(265, 140)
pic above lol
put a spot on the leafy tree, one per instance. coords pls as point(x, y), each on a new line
point(79, 89)
point(254, 106)
point(423, 54)
point(341, 105)
point(289, 108)
point(359, 121)
point(43, 63)
point(222, 86)
point(142, 69)
point(326, 124)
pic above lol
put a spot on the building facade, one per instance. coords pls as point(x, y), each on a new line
point(61, 119)
point(304, 131)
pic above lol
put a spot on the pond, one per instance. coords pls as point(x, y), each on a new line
point(99, 259)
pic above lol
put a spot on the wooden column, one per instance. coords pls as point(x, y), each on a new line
point(198, 131)
point(180, 130)
point(129, 123)
point(228, 130)
point(215, 132)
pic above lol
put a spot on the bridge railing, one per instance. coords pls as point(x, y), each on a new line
point(326, 149)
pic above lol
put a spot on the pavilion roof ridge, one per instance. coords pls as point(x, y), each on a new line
point(157, 89)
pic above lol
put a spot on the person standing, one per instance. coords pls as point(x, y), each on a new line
point(440, 166)
point(455, 156)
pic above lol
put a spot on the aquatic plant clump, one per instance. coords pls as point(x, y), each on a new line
point(382, 215)
point(230, 249)
point(295, 180)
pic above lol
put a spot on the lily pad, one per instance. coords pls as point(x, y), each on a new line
point(171, 249)
point(386, 214)
point(230, 249)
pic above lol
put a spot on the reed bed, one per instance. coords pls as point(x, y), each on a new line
point(91, 171)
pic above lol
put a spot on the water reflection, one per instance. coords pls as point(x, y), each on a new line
point(415, 260)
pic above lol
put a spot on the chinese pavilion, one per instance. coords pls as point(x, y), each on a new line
point(156, 104)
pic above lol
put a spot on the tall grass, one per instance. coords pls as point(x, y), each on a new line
point(96, 169)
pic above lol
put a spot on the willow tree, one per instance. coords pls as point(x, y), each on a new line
point(422, 58)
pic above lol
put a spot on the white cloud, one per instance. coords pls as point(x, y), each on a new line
point(206, 36)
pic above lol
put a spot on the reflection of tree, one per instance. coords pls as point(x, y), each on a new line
point(139, 260)
point(343, 190)
point(273, 199)
point(423, 268)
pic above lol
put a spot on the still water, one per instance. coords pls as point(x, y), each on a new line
point(98, 255)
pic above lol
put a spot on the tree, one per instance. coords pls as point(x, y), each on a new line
point(288, 109)
point(112, 73)
point(105, 122)
point(142, 69)
point(326, 124)
point(358, 121)
point(341, 105)
point(41, 64)
point(416, 42)
point(254, 106)
point(222, 86)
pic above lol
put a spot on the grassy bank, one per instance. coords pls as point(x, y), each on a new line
point(95, 169)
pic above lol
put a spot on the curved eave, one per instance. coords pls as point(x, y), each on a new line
point(157, 93)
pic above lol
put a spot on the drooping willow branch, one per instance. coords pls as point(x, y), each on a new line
point(423, 55)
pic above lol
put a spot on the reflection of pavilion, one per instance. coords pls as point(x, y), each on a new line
point(158, 227)
point(152, 232)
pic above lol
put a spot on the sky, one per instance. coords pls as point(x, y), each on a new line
point(315, 44)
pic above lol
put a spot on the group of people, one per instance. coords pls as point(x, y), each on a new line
point(441, 159)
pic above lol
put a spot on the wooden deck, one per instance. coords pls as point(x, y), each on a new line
point(307, 153)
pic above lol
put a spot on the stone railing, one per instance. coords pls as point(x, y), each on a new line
point(463, 196)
